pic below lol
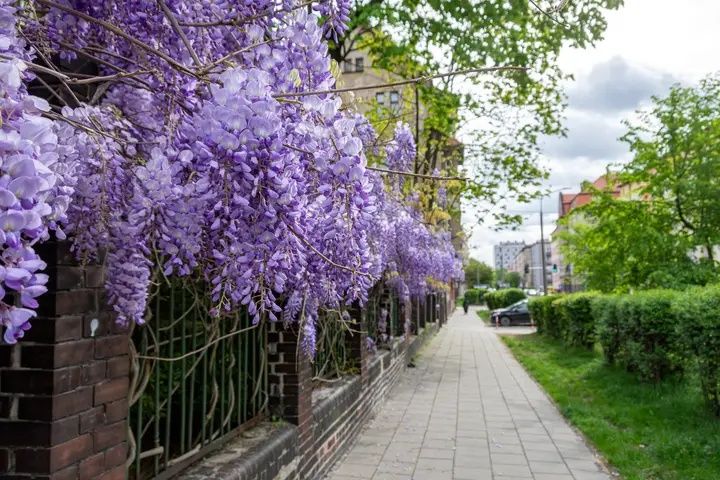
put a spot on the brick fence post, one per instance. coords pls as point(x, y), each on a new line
point(290, 379)
point(63, 388)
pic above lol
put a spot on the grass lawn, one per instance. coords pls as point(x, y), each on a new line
point(644, 431)
point(484, 315)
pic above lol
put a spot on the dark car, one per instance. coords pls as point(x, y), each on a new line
point(515, 314)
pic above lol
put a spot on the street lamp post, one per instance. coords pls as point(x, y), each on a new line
point(542, 250)
point(542, 240)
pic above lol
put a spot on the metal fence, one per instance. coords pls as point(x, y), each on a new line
point(195, 381)
point(333, 359)
point(422, 310)
point(383, 318)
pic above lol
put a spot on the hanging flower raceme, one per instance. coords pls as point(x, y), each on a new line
point(201, 162)
point(337, 16)
point(33, 198)
point(400, 154)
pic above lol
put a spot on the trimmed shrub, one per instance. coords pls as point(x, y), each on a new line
point(544, 315)
point(503, 298)
point(698, 314)
point(607, 324)
point(475, 296)
point(577, 325)
point(647, 329)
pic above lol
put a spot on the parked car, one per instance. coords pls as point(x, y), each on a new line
point(515, 314)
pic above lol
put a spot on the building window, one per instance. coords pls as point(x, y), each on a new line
point(394, 99)
point(380, 98)
point(347, 66)
point(359, 64)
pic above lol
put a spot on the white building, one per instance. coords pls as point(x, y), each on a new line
point(505, 253)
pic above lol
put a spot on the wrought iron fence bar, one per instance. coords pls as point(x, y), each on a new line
point(183, 366)
point(180, 464)
point(198, 399)
point(156, 423)
point(170, 377)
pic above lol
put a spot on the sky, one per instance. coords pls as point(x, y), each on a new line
point(648, 46)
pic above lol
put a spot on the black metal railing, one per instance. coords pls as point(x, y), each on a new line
point(196, 380)
point(333, 359)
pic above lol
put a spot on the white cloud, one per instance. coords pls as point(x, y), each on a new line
point(617, 85)
point(589, 135)
point(648, 45)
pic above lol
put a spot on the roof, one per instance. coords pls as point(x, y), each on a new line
point(571, 201)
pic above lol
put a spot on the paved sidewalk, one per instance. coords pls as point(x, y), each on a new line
point(468, 411)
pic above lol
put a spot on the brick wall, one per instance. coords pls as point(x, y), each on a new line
point(337, 417)
point(63, 389)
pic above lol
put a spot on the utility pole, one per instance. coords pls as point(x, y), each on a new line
point(542, 239)
point(542, 250)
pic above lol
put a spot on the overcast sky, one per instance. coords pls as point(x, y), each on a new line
point(648, 46)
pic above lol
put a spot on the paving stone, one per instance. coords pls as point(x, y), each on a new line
point(549, 467)
point(396, 467)
point(472, 474)
point(391, 476)
point(511, 471)
point(469, 411)
point(508, 459)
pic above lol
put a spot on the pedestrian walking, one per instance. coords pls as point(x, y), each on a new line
point(466, 304)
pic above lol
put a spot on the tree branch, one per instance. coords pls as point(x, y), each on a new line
point(418, 175)
point(402, 82)
point(323, 256)
point(554, 10)
point(205, 69)
point(174, 23)
point(119, 32)
point(238, 20)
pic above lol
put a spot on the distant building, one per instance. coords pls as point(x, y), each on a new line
point(505, 253)
point(398, 103)
point(562, 277)
point(529, 264)
point(387, 105)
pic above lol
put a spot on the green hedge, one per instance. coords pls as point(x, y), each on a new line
point(475, 296)
point(698, 313)
point(653, 333)
point(503, 298)
point(576, 322)
point(605, 309)
point(544, 315)
point(649, 345)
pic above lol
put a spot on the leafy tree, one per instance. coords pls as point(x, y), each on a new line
point(617, 244)
point(676, 147)
point(478, 273)
point(513, 279)
point(517, 107)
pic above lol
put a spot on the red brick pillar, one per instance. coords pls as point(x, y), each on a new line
point(356, 341)
point(63, 388)
point(290, 379)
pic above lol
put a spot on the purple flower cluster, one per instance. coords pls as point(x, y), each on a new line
point(33, 198)
point(337, 16)
point(214, 174)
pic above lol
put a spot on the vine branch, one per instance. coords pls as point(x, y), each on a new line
point(399, 83)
